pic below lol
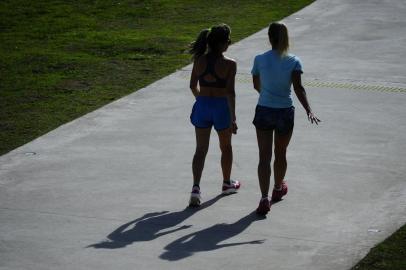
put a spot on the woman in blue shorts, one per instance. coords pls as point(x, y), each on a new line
point(273, 74)
point(212, 83)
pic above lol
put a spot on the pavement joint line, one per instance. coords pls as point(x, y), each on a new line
point(246, 78)
point(315, 241)
point(56, 214)
point(156, 223)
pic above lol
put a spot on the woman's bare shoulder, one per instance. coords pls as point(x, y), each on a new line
point(200, 63)
point(229, 60)
point(201, 58)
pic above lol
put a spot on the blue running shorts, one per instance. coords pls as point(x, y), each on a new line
point(279, 119)
point(211, 111)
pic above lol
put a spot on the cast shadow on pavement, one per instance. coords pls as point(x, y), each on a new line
point(209, 239)
point(150, 226)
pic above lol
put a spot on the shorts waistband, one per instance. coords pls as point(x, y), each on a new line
point(210, 98)
point(274, 109)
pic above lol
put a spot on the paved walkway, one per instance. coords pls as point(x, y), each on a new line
point(109, 190)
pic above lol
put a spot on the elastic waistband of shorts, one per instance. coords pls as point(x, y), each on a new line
point(207, 98)
point(274, 109)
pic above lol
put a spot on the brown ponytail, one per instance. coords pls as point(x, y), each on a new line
point(199, 46)
point(210, 40)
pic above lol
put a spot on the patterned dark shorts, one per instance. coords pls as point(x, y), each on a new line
point(279, 119)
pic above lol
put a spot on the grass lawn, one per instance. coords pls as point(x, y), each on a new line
point(389, 255)
point(62, 59)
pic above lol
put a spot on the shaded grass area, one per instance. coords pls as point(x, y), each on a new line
point(62, 59)
point(389, 255)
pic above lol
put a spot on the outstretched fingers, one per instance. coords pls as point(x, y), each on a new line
point(313, 119)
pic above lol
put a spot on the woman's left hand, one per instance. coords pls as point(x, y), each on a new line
point(312, 118)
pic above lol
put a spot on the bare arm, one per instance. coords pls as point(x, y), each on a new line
point(301, 95)
point(231, 89)
point(231, 96)
point(193, 80)
point(257, 82)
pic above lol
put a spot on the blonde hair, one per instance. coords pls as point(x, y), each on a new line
point(279, 38)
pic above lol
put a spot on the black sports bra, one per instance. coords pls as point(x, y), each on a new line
point(219, 82)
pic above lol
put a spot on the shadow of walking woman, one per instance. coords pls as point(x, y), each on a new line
point(209, 239)
point(150, 226)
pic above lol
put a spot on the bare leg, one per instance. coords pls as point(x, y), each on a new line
point(264, 138)
point(280, 164)
point(202, 146)
point(226, 152)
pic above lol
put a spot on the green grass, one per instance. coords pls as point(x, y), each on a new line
point(389, 255)
point(62, 59)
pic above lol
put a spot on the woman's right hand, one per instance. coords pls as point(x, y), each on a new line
point(234, 127)
point(312, 118)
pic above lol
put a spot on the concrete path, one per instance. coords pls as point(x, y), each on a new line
point(109, 190)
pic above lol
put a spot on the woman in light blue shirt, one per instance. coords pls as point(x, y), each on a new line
point(273, 74)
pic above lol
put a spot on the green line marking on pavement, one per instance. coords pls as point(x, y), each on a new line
point(246, 78)
point(355, 86)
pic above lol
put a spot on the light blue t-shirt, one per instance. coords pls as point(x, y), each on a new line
point(275, 74)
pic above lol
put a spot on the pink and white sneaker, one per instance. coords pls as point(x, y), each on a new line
point(278, 194)
point(230, 188)
point(195, 197)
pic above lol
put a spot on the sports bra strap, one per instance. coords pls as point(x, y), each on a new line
point(210, 69)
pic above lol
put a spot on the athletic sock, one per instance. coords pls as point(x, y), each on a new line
point(278, 189)
point(227, 182)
